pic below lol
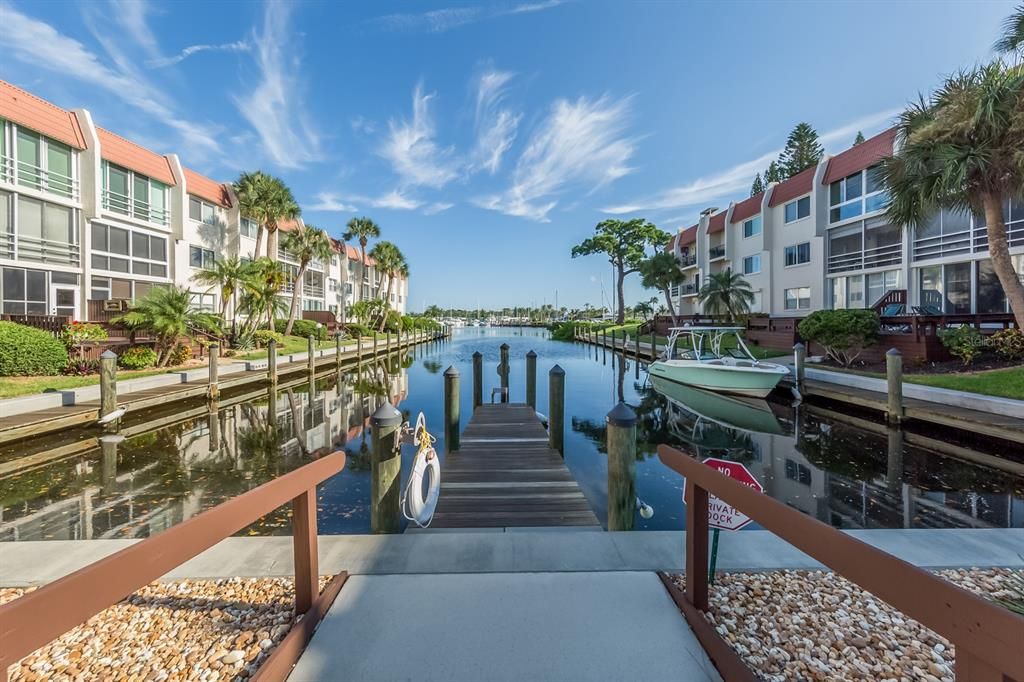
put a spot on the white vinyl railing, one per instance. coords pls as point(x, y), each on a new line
point(890, 254)
point(135, 208)
point(35, 177)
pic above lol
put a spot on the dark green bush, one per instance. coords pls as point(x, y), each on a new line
point(303, 328)
point(355, 329)
point(844, 334)
point(27, 351)
point(137, 357)
point(964, 342)
point(1009, 344)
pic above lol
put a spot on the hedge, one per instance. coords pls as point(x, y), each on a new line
point(27, 351)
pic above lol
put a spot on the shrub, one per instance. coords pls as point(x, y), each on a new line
point(844, 334)
point(75, 334)
point(181, 354)
point(964, 342)
point(81, 368)
point(355, 329)
point(27, 351)
point(1009, 343)
point(302, 328)
point(263, 336)
point(137, 357)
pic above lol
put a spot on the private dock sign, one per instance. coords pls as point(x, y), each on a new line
point(720, 514)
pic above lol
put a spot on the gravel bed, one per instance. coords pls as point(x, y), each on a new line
point(815, 625)
point(181, 630)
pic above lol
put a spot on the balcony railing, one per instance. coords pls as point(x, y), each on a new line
point(1014, 236)
point(687, 261)
point(687, 289)
point(716, 252)
point(30, 175)
point(39, 250)
point(135, 208)
point(313, 290)
point(890, 254)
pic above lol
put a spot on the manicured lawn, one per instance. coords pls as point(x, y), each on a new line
point(1001, 383)
point(291, 345)
point(11, 387)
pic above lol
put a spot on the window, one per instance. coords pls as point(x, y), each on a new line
point(100, 289)
point(134, 195)
point(120, 250)
point(798, 472)
point(204, 302)
point(798, 298)
point(861, 192)
point(46, 232)
point(798, 254)
point(752, 227)
point(201, 211)
point(199, 257)
point(248, 228)
point(752, 264)
point(931, 287)
point(6, 226)
point(798, 209)
point(957, 278)
point(23, 292)
point(881, 283)
point(990, 298)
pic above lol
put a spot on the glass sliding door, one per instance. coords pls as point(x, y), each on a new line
point(931, 294)
point(29, 159)
point(58, 169)
point(991, 298)
point(957, 279)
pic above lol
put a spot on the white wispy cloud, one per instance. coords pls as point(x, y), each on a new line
point(411, 149)
point(328, 201)
point(161, 62)
point(437, 207)
point(274, 107)
point(39, 45)
point(580, 142)
point(448, 18)
point(495, 125)
point(362, 125)
point(131, 15)
point(535, 6)
point(395, 200)
point(734, 182)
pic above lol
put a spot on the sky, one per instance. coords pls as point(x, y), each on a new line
point(486, 139)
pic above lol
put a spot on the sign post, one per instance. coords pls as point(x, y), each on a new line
point(723, 516)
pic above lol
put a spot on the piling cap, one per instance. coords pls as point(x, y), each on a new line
point(478, 354)
point(557, 370)
point(108, 355)
point(531, 354)
point(386, 415)
point(893, 352)
point(504, 346)
point(621, 415)
point(798, 346)
point(451, 371)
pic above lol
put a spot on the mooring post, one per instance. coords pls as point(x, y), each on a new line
point(272, 361)
point(504, 372)
point(374, 345)
point(894, 378)
point(337, 349)
point(799, 357)
point(108, 383)
point(478, 380)
point(387, 342)
point(621, 443)
point(311, 353)
point(386, 469)
point(359, 349)
point(451, 409)
point(556, 406)
point(213, 390)
point(531, 379)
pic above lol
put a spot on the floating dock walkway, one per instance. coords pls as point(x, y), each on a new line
point(506, 475)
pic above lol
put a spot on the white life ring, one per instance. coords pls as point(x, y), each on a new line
point(415, 507)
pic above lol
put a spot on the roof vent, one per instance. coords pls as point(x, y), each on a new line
point(708, 211)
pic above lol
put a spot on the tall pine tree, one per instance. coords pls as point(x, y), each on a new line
point(773, 173)
point(758, 185)
point(857, 140)
point(802, 150)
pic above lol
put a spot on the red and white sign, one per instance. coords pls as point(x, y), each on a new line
point(720, 514)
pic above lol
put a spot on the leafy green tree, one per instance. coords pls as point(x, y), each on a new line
point(308, 244)
point(802, 150)
point(361, 229)
point(758, 185)
point(859, 139)
point(844, 334)
point(261, 298)
point(961, 150)
point(168, 312)
point(433, 311)
point(227, 276)
point(1012, 39)
point(266, 200)
point(390, 262)
point(662, 272)
point(774, 173)
point(727, 295)
point(624, 242)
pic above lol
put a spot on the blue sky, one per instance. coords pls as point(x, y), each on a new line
point(487, 139)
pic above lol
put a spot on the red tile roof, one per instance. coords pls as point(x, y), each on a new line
point(120, 151)
point(32, 112)
point(717, 223)
point(205, 188)
point(671, 243)
point(796, 186)
point(688, 236)
point(747, 208)
point(288, 225)
point(353, 254)
point(864, 155)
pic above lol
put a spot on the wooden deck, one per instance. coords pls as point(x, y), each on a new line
point(505, 475)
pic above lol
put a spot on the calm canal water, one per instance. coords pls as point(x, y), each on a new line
point(841, 468)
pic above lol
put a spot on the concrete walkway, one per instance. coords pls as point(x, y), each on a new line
point(28, 563)
point(522, 626)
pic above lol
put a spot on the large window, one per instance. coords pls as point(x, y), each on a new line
point(798, 254)
point(119, 250)
point(248, 228)
point(991, 297)
point(198, 257)
point(797, 209)
point(848, 292)
point(201, 211)
point(798, 298)
point(38, 162)
point(46, 232)
point(205, 302)
point(23, 292)
point(856, 194)
point(134, 195)
point(957, 280)
point(881, 283)
point(6, 225)
point(752, 264)
point(752, 227)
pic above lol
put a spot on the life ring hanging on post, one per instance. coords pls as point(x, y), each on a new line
point(416, 507)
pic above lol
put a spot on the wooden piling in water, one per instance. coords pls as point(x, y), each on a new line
point(272, 361)
point(385, 469)
point(311, 354)
point(478, 380)
point(894, 380)
point(337, 350)
point(213, 390)
point(108, 383)
point(531, 379)
point(451, 409)
point(621, 444)
point(556, 406)
point(799, 357)
point(503, 368)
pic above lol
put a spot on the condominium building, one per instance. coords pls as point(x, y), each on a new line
point(821, 240)
point(88, 217)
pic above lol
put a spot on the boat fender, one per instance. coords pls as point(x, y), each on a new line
point(542, 418)
point(646, 510)
point(116, 414)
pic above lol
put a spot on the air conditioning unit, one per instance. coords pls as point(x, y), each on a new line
point(115, 305)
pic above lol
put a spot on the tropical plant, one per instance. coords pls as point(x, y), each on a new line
point(137, 357)
point(266, 200)
point(261, 298)
point(390, 262)
point(262, 337)
point(960, 150)
point(168, 312)
point(226, 275)
point(662, 272)
point(307, 244)
point(361, 229)
point(1009, 343)
point(1012, 39)
point(27, 351)
point(727, 295)
point(76, 334)
point(964, 342)
point(624, 242)
point(181, 354)
point(303, 329)
point(370, 311)
point(844, 334)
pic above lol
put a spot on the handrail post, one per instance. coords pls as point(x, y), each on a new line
point(305, 550)
point(108, 384)
point(697, 546)
point(272, 361)
point(478, 380)
point(556, 406)
point(799, 356)
point(451, 409)
point(894, 379)
point(531, 379)
point(213, 390)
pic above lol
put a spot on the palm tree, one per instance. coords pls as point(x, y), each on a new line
point(267, 200)
point(960, 150)
point(361, 229)
point(726, 294)
point(662, 272)
point(308, 243)
point(390, 263)
point(168, 312)
point(262, 297)
point(227, 275)
point(1012, 39)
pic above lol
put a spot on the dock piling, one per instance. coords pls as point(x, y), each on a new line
point(311, 354)
point(451, 409)
point(386, 469)
point(556, 406)
point(374, 345)
point(478, 380)
point(272, 361)
point(359, 349)
point(213, 389)
point(503, 369)
point(621, 443)
point(531, 379)
point(894, 379)
point(799, 357)
point(337, 350)
point(108, 383)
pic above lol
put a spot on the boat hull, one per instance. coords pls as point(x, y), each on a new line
point(748, 381)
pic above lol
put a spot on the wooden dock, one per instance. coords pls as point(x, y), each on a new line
point(505, 475)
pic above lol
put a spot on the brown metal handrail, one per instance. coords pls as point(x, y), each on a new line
point(39, 617)
point(988, 638)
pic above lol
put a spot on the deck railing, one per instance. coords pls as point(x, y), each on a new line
point(37, 618)
point(988, 638)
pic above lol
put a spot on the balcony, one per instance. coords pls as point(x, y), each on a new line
point(690, 289)
point(313, 290)
point(716, 252)
point(880, 256)
point(135, 208)
point(687, 260)
point(39, 250)
point(34, 177)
